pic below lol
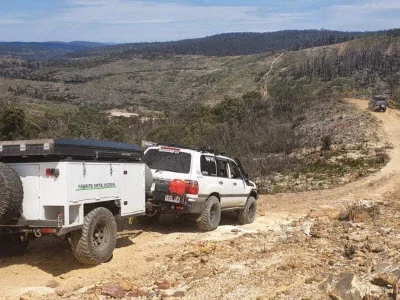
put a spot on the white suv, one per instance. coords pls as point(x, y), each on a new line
point(200, 183)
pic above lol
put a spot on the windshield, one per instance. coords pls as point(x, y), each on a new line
point(178, 162)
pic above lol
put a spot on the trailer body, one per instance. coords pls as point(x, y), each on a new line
point(72, 188)
point(55, 193)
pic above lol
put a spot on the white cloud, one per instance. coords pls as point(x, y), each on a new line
point(123, 11)
point(135, 20)
point(9, 21)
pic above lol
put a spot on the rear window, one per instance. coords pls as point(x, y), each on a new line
point(178, 162)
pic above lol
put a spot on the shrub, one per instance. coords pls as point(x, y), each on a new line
point(12, 123)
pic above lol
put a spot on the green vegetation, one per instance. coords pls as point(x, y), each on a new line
point(55, 121)
point(213, 102)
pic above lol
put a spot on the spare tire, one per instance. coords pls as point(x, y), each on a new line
point(11, 194)
point(148, 178)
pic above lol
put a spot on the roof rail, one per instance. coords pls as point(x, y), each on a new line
point(147, 144)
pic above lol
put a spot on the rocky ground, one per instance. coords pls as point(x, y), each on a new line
point(339, 243)
point(347, 254)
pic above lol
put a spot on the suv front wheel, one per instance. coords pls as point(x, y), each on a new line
point(211, 216)
point(248, 213)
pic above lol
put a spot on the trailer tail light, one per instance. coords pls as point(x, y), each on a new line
point(48, 230)
point(52, 173)
point(192, 187)
point(177, 187)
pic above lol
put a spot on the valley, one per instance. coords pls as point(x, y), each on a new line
point(294, 111)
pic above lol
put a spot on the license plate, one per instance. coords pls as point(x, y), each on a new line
point(174, 199)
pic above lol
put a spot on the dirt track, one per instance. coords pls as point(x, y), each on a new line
point(266, 76)
point(376, 186)
point(143, 256)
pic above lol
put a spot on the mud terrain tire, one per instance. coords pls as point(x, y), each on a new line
point(248, 213)
point(95, 242)
point(11, 194)
point(211, 215)
point(148, 178)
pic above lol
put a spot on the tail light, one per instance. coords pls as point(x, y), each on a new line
point(181, 187)
point(177, 187)
point(52, 173)
point(192, 187)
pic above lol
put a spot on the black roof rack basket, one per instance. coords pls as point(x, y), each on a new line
point(68, 148)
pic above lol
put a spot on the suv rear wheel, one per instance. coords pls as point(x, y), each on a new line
point(211, 216)
point(248, 213)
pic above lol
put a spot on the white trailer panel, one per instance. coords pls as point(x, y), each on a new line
point(79, 183)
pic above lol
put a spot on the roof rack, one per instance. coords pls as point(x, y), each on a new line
point(203, 149)
point(68, 148)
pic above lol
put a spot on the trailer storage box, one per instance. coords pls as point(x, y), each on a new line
point(60, 177)
point(55, 193)
point(74, 187)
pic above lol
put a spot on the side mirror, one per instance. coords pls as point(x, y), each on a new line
point(246, 176)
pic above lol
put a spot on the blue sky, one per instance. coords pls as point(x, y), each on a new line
point(163, 20)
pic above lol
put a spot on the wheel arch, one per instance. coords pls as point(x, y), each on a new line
point(215, 194)
point(110, 205)
point(254, 193)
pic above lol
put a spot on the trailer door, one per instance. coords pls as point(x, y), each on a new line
point(133, 195)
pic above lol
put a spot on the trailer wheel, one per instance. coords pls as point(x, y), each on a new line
point(11, 194)
point(95, 242)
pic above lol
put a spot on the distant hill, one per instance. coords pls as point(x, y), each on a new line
point(44, 50)
point(228, 44)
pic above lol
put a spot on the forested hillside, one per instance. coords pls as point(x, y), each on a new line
point(43, 51)
point(227, 44)
point(363, 67)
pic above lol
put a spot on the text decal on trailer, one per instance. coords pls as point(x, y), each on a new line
point(96, 186)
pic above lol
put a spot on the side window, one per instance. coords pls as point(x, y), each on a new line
point(208, 165)
point(235, 172)
point(222, 168)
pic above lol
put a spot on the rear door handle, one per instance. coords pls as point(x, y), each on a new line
point(221, 182)
point(234, 183)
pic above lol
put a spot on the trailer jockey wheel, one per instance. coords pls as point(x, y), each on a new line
point(95, 242)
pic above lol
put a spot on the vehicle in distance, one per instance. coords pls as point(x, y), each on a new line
point(378, 103)
point(199, 183)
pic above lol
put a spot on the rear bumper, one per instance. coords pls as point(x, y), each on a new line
point(190, 206)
